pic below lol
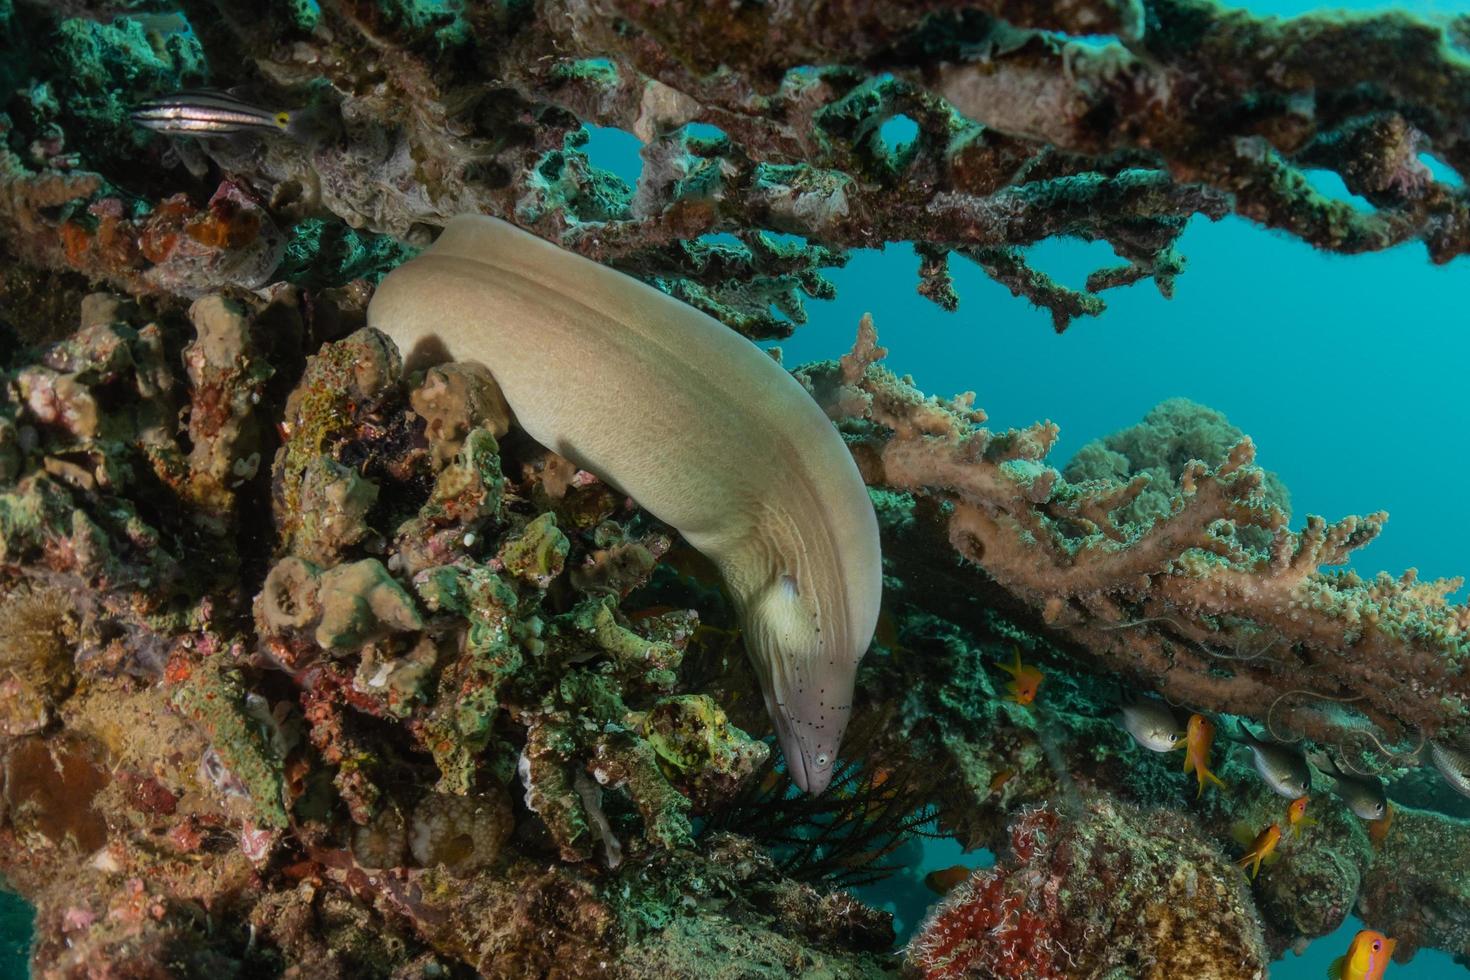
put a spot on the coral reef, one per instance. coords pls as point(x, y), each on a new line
point(1179, 600)
point(1075, 883)
point(1023, 133)
point(387, 716)
point(314, 666)
point(1171, 436)
point(456, 665)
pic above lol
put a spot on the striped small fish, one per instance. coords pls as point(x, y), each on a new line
point(207, 112)
point(1453, 764)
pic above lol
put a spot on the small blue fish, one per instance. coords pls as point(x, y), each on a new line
point(207, 112)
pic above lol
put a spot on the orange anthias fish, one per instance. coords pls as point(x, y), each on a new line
point(945, 880)
point(999, 780)
point(1261, 848)
point(1367, 957)
point(1296, 816)
point(1027, 679)
point(1378, 829)
point(1199, 736)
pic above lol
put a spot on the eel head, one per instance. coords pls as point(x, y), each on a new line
point(806, 678)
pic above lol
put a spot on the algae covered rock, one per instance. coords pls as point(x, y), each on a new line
point(1173, 434)
point(704, 755)
point(455, 399)
point(343, 607)
point(360, 602)
point(36, 669)
point(1111, 890)
point(538, 553)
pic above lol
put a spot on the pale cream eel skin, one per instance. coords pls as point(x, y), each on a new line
point(691, 420)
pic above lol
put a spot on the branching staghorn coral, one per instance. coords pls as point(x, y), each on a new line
point(1023, 133)
point(1179, 599)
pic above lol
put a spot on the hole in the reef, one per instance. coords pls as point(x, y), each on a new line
point(720, 238)
point(704, 131)
point(1442, 171)
point(785, 238)
point(1069, 260)
point(1094, 41)
point(1329, 184)
point(17, 923)
point(931, 866)
point(614, 150)
point(897, 132)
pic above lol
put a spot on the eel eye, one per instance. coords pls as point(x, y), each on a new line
point(821, 760)
point(282, 119)
point(1377, 945)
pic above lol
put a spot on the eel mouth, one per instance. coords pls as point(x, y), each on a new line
point(807, 777)
point(801, 762)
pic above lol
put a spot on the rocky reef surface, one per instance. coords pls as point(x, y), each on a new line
point(311, 666)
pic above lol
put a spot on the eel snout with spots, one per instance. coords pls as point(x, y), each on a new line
point(691, 420)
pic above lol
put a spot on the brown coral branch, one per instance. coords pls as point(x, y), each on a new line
point(1189, 592)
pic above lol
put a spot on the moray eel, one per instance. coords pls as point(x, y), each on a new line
point(691, 420)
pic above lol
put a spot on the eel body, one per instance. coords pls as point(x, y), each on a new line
point(691, 420)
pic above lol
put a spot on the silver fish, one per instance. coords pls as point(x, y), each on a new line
point(1283, 769)
point(1363, 794)
point(1453, 764)
point(1152, 723)
point(206, 112)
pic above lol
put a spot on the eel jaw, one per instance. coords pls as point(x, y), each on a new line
point(808, 764)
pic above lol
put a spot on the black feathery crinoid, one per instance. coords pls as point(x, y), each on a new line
point(874, 804)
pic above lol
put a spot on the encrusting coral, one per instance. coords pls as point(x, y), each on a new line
point(419, 685)
point(312, 665)
point(1179, 600)
point(1022, 133)
point(1066, 892)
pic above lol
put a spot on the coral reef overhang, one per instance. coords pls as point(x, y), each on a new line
point(308, 665)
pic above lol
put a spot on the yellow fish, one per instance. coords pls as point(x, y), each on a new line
point(1260, 849)
point(1378, 829)
point(1367, 957)
point(1026, 680)
point(1296, 816)
point(1198, 738)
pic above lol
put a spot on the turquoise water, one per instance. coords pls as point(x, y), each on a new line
point(15, 936)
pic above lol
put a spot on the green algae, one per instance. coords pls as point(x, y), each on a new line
point(538, 553)
point(215, 696)
point(109, 64)
point(322, 254)
point(650, 662)
point(468, 698)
